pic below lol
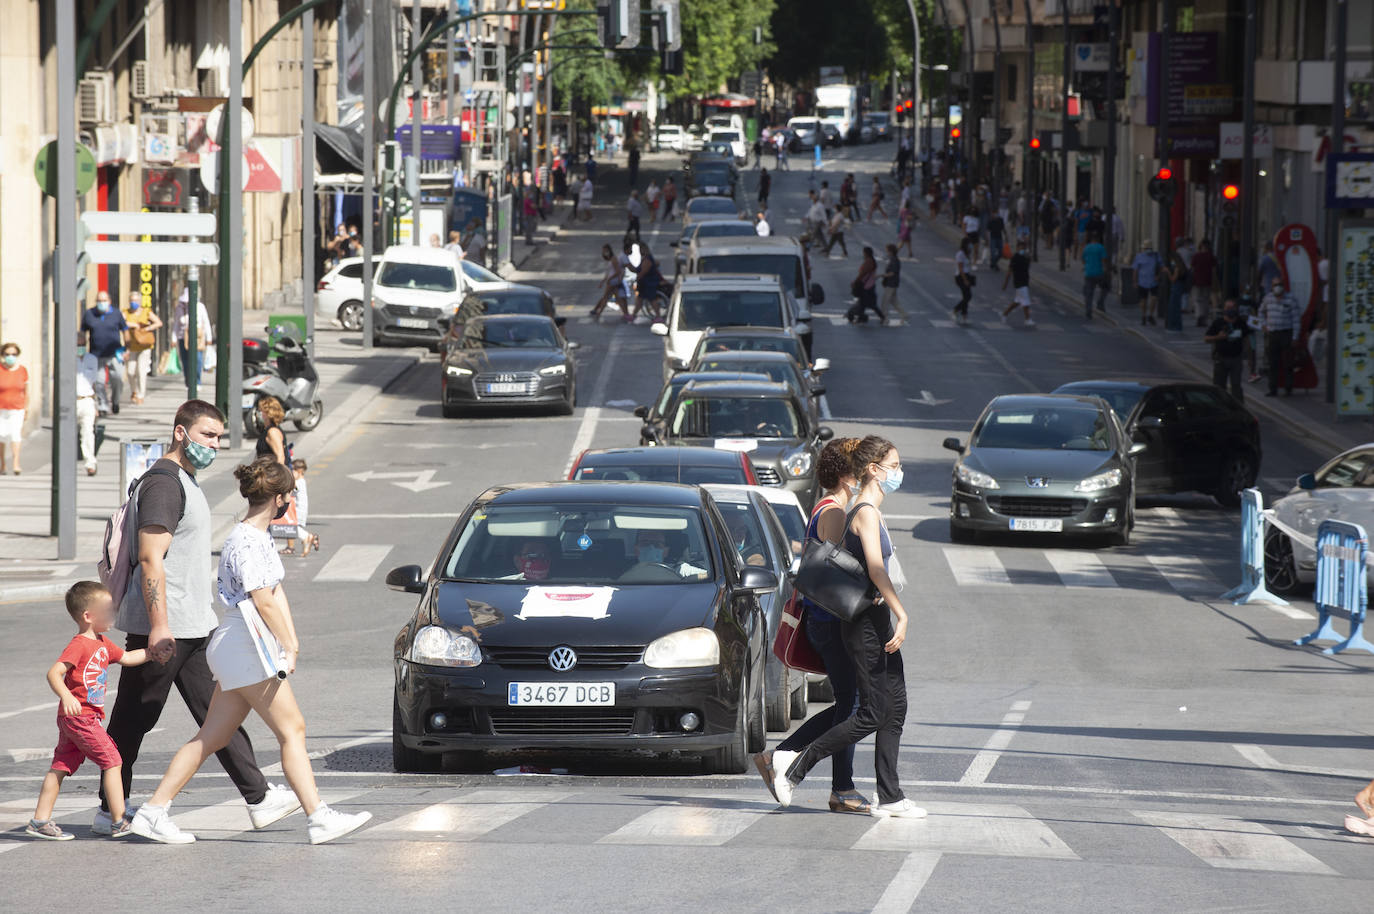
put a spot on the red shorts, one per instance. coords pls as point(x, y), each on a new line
point(83, 738)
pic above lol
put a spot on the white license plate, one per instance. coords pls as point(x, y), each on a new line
point(560, 694)
point(248, 400)
point(1038, 524)
point(506, 387)
point(412, 323)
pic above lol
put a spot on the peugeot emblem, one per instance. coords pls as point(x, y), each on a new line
point(562, 659)
point(1038, 482)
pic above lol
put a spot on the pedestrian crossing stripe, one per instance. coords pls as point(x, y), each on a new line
point(991, 829)
point(694, 820)
point(1227, 842)
point(468, 817)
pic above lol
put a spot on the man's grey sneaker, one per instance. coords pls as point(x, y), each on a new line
point(782, 787)
point(279, 803)
point(123, 828)
point(326, 824)
point(48, 831)
point(153, 823)
point(902, 809)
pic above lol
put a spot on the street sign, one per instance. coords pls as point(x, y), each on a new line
point(116, 223)
point(170, 253)
point(45, 169)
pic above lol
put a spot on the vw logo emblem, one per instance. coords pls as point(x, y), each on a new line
point(562, 659)
point(1038, 482)
point(414, 310)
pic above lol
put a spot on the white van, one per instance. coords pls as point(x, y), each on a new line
point(671, 136)
point(736, 140)
point(725, 122)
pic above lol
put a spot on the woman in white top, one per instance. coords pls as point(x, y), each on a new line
point(963, 278)
point(584, 199)
point(250, 575)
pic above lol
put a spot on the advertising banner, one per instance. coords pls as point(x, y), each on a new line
point(1353, 286)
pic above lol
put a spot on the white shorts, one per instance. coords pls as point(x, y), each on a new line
point(11, 426)
point(231, 655)
point(1021, 296)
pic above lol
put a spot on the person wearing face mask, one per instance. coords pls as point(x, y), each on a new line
point(143, 327)
point(89, 376)
point(1228, 335)
point(651, 548)
point(168, 610)
point(873, 641)
point(532, 561)
point(1278, 314)
point(103, 328)
point(14, 401)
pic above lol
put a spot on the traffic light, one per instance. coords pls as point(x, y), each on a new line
point(955, 133)
point(1035, 142)
point(1230, 204)
point(1230, 193)
point(1162, 187)
point(617, 23)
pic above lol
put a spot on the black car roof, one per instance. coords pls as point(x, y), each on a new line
point(661, 456)
point(769, 390)
point(1046, 400)
point(660, 494)
point(509, 318)
point(749, 355)
point(1113, 385)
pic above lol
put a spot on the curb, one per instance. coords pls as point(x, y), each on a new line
point(21, 593)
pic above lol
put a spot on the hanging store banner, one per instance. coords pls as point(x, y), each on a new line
point(1353, 286)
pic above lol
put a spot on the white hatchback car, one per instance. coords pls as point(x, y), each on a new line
point(416, 291)
point(339, 293)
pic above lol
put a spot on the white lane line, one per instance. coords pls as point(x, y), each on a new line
point(702, 821)
point(1261, 759)
point(1079, 569)
point(47, 705)
point(15, 814)
point(1186, 574)
point(467, 817)
point(901, 893)
point(1169, 516)
point(994, 325)
point(1230, 843)
point(974, 567)
point(942, 324)
point(224, 820)
point(986, 759)
point(353, 562)
point(991, 829)
point(592, 414)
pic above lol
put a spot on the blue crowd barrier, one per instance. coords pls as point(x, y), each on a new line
point(1252, 585)
point(1342, 584)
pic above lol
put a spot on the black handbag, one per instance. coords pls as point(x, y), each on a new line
point(831, 577)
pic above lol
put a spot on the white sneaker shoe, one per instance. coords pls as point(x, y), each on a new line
point(782, 787)
point(902, 809)
point(1030, 323)
point(152, 822)
point(279, 803)
point(104, 822)
point(1357, 826)
point(326, 824)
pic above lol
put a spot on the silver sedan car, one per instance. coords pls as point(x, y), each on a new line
point(1341, 489)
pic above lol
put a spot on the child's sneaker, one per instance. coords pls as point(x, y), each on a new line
point(326, 824)
point(103, 824)
point(153, 823)
point(123, 828)
point(48, 831)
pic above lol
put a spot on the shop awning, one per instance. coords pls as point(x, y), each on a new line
point(338, 149)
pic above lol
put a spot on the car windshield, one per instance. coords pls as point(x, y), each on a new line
point(734, 417)
point(1069, 428)
point(787, 267)
point(879, 120)
point(726, 343)
point(478, 273)
point(711, 174)
point(687, 474)
point(702, 206)
point(1352, 470)
point(802, 125)
point(725, 136)
point(423, 277)
point(563, 544)
point(699, 310)
point(481, 334)
point(1122, 400)
point(726, 230)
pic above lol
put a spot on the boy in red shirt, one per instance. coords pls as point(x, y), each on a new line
point(78, 677)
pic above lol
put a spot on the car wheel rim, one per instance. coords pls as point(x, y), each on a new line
point(1240, 474)
point(1279, 571)
point(351, 316)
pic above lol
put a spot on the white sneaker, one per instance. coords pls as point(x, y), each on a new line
point(782, 787)
point(279, 803)
point(902, 809)
point(104, 822)
point(326, 824)
point(1030, 323)
point(152, 822)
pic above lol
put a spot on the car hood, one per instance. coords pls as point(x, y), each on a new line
point(395, 295)
point(505, 359)
point(631, 614)
point(1014, 463)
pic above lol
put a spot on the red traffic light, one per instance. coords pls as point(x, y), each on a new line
point(955, 133)
point(1165, 174)
point(1035, 142)
point(1230, 191)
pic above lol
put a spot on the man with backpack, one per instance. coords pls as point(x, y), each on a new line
point(166, 608)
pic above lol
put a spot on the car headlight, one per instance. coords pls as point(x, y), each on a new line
point(1108, 480)
point(689, 647)
point(458, 371)
point(976, 478)
point(435, 645)
point(553, 371)
point(797, 463)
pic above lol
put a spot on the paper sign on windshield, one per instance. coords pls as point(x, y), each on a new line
point(565, 602)
point(743, 445)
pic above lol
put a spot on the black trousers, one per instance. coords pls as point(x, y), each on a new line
point(1226, 369)
point(858, 312)
point(881, 683)
point(825, 636)
point(1276, 348)
point(965, 294)
point(143, 691)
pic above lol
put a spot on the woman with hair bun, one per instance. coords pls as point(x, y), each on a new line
point(250, 572)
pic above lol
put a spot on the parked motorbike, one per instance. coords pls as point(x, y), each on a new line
point(292, 380)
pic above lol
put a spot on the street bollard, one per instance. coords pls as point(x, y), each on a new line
point(1252, 585)
point(1341, 584)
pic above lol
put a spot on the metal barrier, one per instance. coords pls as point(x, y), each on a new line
point(1252, 585)
point(1342, 584)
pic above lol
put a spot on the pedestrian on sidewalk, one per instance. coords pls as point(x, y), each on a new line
point(531, 213)
point(250, 574)
point(634, 162)
point(1228, 335)
point(1204, 288)
point(142, 337)
point(88, 375)
point(455, 243)
point(875, 203)
point(79, 678)
point(560, 180)
point(104, 329)
point(1278, 313)
point(272, 439)
point(825, 632)
point(765, 185)
point(181, 329)
point(964, 279)
point(1049, 218)
point(1269, 270)
point(475, 248)
point(1178, 285)
point(167, 611)
point(14, 403)
point(634, 213)
point(906, 221)
point(584, 199)
point(1094, 275)
point(872, 641)
point(892, 280)
point(669, 198)
point(1018, 275)
point(1147, 266)
point(758, 152)
point(865, 291)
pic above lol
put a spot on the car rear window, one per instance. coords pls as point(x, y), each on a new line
point(787, 267)
point(422, 277)
point(699, 310)
point(686, 474)
point(726, 343)
point(739, 229)
point(351, 270)
point(1121, 400)
point(701, 206)
point(1044, 428)
point(776, 371)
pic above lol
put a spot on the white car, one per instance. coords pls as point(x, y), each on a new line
point(736, 140)
point(417, 289)
point(1341, 489)
point(671, 136)
point(719, 300)
point(339, 293)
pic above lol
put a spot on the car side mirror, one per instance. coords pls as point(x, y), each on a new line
point(825, 433)
point(816, 295)
point(952, 444)
point(406, 579)
point(560, 321)
point(817, 390)
point(1153, 423)
point(1137, 447)
point(820, 365)
point(658, 329)
point(759, 580)
point(642, 412)
point(1307, 481)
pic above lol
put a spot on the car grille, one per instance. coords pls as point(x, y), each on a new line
point(1035, 506)
point(588, 658)
point(425, 313)
point(562, 721)
point(528, 379)
point(767, 476)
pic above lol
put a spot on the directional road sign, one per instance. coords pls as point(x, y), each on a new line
point(114, 223)
point(173, 253)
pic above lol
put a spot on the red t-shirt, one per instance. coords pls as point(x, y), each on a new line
point(90, 659)
point(12, 384)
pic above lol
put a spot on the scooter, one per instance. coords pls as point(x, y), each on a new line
point(292, 381)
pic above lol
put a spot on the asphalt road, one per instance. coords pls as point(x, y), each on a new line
point(1091, 728)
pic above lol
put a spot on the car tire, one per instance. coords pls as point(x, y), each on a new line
point(822, 692)
point(351, 315)
point(777, 714)
point(959, 534)
point(733, 757)
point(756, 727)
point(451, 410)
point(796, 696)
point(1122, 535)
point(403, 758)
point(1280, 568)
point(1237, 473)
point(569, 403)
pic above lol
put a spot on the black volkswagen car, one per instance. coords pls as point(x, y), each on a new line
point(508, 360)
point(583, 616)
point(692, 466)
point(777, 366)
point(655, 414)
point(1198, 437)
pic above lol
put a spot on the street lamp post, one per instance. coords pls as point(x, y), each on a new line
point(915, 81)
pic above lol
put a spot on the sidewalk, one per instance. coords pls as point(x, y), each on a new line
point(29, 568)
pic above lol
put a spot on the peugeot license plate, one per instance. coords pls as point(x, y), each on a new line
point(506, 387)
point(560, 694)
point(412, 323)
point(1038, 524)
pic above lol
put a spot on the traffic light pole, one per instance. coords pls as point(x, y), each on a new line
point(1028, 178)
point(63, 504)
point(1166, 37)
point(1331, 249)
point(1064, 194)
point(1247, 167)
point(1109, 166)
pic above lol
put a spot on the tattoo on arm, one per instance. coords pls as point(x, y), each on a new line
point(150, 597)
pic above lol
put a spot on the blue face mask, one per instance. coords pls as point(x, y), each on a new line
point(102, 306)
point(654, 554)
point(893, 482)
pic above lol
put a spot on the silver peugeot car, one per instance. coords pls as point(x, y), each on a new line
point(1044, 463)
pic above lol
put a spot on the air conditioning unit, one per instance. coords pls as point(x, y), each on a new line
point(138, 80)
point(95, 98)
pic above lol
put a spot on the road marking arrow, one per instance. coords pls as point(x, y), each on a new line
point(925, 399)
point(417, 480)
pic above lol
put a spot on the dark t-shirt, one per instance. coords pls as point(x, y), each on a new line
point(1233, 346)
point(1020, 271)
point(1204, 264)
point(160, 499)
point(892, 273)
point(102, 331)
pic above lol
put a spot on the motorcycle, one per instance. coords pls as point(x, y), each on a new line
point(293, 380)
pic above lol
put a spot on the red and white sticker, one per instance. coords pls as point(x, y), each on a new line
point(566, 602)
